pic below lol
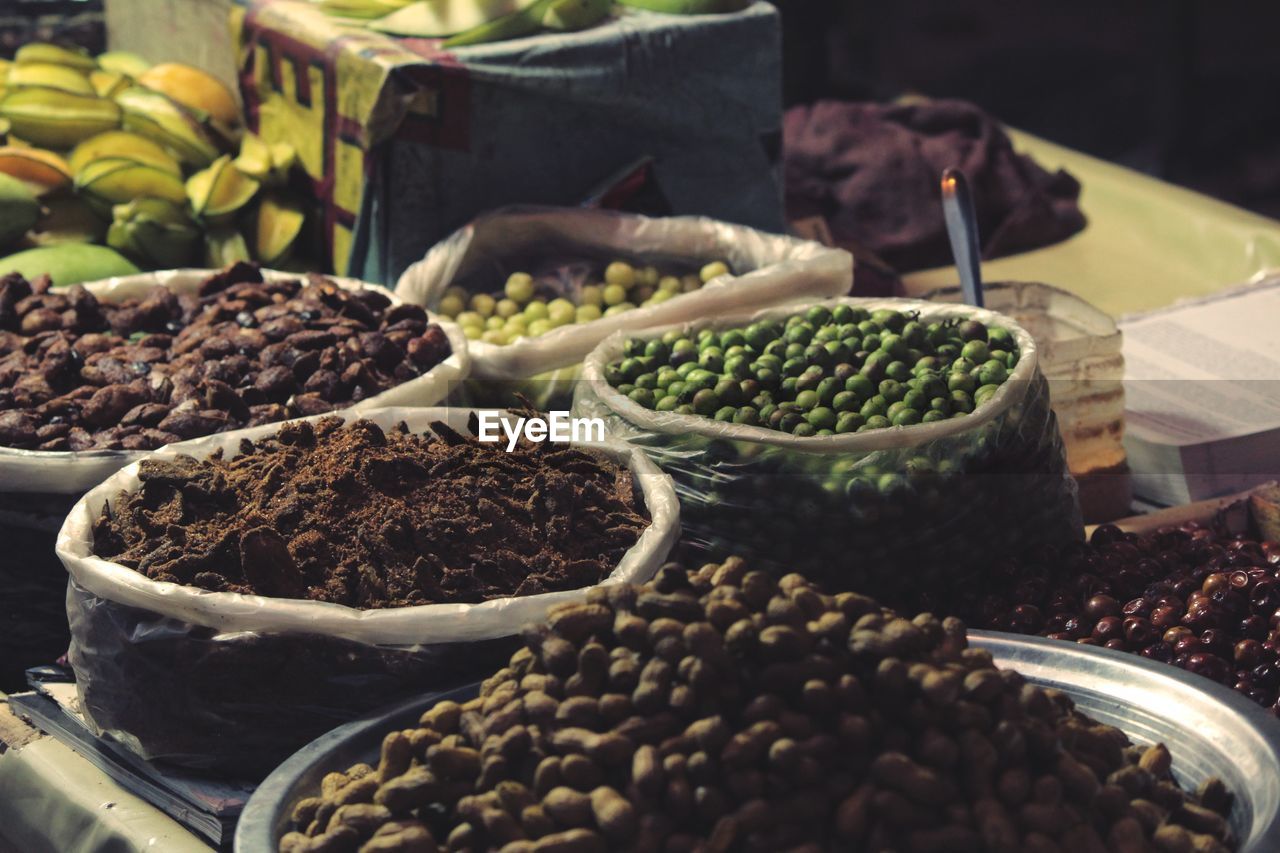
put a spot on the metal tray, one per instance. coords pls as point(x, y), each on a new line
point(1210, 729)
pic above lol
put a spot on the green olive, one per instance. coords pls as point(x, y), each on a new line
point(898, 370)
point(846, 401)
point(822, 418)
point(861, 385)
point(874, 406)
point(828, 388)
point(892, 390)
point(962, 382)
point(976, 351)
point(807, 399)
point(992, 373)
point(643, 396)
point(915, 399)
point(847, 422)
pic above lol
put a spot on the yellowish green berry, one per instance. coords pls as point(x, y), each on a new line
point(620, 273)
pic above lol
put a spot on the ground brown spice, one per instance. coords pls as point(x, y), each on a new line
point(370, 518)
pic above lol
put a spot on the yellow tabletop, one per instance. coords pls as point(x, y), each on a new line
point(52, 800)
point(1148, 243)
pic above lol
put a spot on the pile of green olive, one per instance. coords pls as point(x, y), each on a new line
point(528, 307)
point(823, 371)
point(925, 517)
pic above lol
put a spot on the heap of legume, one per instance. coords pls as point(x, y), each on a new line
point(823, 371)
point(528, 307)
point(1192, 596)
point(724, 710)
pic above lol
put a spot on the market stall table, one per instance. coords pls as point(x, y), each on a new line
point(1147, 243)
point(53, 799)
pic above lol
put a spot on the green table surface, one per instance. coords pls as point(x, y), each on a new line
point(1148, 244)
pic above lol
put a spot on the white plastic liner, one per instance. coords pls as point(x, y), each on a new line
point(403, 626)
point(72, 472)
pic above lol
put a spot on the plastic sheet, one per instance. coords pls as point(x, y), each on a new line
point(1080, 356)
point(237, 682)
point(769, 269)
point(910, 514)
point(70, 473)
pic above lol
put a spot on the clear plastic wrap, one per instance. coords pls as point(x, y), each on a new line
point(769, 269)
point(237, 682)
point(71, 473)
point(911, 515)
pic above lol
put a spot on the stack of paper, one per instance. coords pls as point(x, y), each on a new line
point(1202, 390)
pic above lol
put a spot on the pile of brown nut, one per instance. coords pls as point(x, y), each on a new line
point(80, 374)
point(725, 709)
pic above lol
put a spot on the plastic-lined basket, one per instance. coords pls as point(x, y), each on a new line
point(908, 514)
point(768, 269)
point(220, 679)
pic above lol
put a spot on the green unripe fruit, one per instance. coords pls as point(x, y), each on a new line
point(848, 422)
point(822, 418)
point(898, 370)
point(976, 351)
point(643, 396)
point(984, 393)
point(861, 385)
point(874, 406)
point(846, 401)
point(891, 390)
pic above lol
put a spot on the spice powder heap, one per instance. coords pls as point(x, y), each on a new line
point(369, 518)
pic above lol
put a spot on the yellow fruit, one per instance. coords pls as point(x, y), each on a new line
point(224, 245)
point(194, 89)
point(122, 144)
point(255, 157)
point(51, 76)
point(123, 62)
point(283, 158)
point(42, 171)
point(220, 190)
point(160, 119)
point(280, 221)
point(67, 219)
point(55, 54)
point(115, 180)
point(362, 8)
point(19, 210)
point(108, 84)
point(49, 118)
point(69, 263)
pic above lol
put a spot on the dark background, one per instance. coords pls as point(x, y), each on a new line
point(1184, 90)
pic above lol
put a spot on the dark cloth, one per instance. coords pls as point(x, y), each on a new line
point(873, 172)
